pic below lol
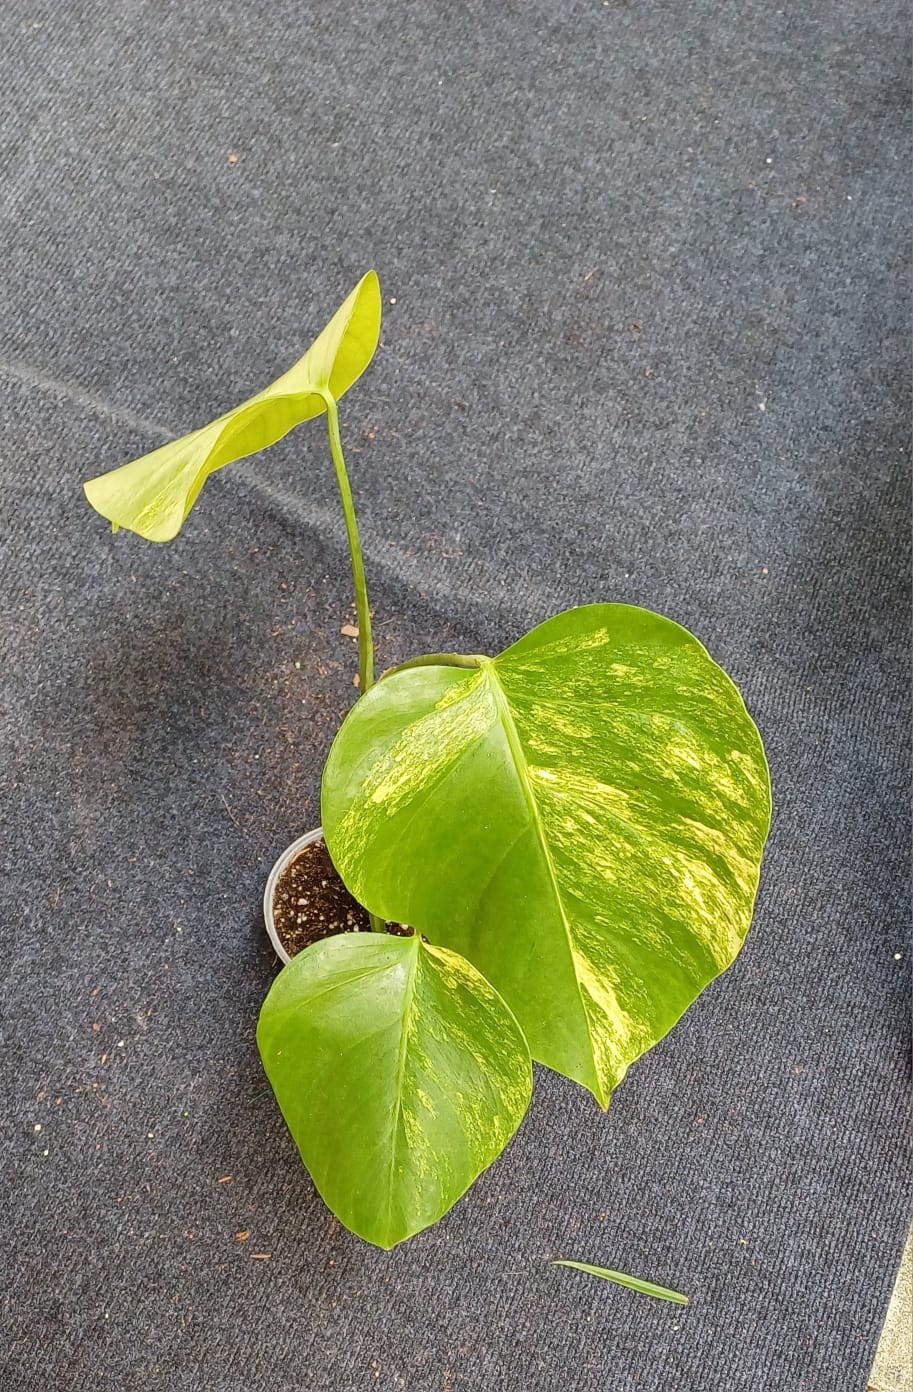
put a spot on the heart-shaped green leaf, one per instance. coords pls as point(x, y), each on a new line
point(153, 495)
point(400, 1072)
point(582, 817)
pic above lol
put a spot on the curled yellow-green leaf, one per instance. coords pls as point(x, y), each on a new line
point(153, 495)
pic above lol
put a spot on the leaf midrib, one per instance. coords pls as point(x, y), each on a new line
point(515, 745)
point(408, 999)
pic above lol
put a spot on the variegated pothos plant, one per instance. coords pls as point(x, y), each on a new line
point(573, 829)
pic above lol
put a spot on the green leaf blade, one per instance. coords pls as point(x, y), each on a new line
point(631, 1282)
point(153, 495)
point(401, 1075)
point(582, 817)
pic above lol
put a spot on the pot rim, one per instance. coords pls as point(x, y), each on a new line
point(287, 855)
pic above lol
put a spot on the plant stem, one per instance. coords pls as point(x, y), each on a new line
point(365, 641)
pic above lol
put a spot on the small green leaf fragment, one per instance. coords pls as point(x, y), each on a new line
point(632, 1282)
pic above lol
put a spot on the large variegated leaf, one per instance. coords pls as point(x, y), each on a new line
point(582, 817)
point(401, 1075)
point(154, 494)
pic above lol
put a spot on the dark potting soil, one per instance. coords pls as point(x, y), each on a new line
point(311, 902)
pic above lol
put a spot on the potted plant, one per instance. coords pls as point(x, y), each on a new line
point(571, 833)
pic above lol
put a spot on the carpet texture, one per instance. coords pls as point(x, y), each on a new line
point(646, 339)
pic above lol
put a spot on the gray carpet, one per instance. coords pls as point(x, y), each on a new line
point(649, 343)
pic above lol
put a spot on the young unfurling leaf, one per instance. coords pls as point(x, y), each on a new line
point(153, 495)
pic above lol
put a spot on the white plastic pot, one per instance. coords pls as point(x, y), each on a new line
point(287, 855)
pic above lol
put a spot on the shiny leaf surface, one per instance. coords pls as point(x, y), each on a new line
point(582, 818)
point(153, 495)
point(400, 1072)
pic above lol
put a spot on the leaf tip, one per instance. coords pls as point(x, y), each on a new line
point(93, 498)
point(369, 287)
point(601, 1093)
